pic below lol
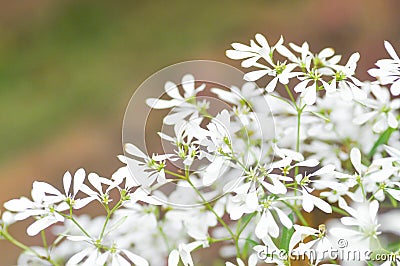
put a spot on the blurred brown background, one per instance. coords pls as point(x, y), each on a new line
point(68, 68)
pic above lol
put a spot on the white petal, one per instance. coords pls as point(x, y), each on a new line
point(79, 177)
point(355, 157)
point(40, 225)
point(286, 52)
point(324, 170)
point(310, 95)
point(395, 193)
point(102, 259)
point(173, 258)
point(255, 75)
point(373, 209)
point(392, 151)
point(212, 171)
point(262, 40)
point(18, 205)
point(301, 86)
point(67, 179)
point(353, 59)
point(364, 117)
point(261, 229)
point(135, 151)
point(250, 62)
point(380, 125)
point(308, 204)
point(271, 85)
point(327, 52)
point(78, 257)
point(80, 203)
point(395, 88)
point(285, 220)
point(273, 228)
point(188, 85)
point(308, 163)
point(172, 90)
point(47, 188)
point(118, 260)
point(321, 204)
point(162, 104)
point(172, 119)
point(238, 55)
point(390, 50)
point(139, 261)
point(240, 47)
point(94, 179)
point(358, 93)
point(186, 258)
point(392, 121)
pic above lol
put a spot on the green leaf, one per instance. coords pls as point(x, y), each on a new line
point(383, 139)
point(320, 116)
point(395, 246)
point(286, 235)
point(244, 221)
point(392, 200)
point(117, 224)
point(248, 245)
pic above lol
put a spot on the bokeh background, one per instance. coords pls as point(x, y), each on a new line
point(68, 68)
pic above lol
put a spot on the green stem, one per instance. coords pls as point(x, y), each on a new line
point(215, 240)
point(164, 236)
point(210, 208)
point(245, 224)
point(298, 213)
point(43, 234)
point(296, 169)
point(339, 211)
point(109, 213)
point(175, 174)
point(291, 96)
point(76, 223)
point(4, 233)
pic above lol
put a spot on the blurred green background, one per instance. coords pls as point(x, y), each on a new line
point(68, 68)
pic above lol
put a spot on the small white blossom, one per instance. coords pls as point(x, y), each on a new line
point(388, 71)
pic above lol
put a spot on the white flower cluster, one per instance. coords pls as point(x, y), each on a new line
point(251, 178)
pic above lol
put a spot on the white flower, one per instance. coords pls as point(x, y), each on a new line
point(148, 169)
point(97, 182)
point(361, 229)
point(185, 104)
point(309, 92)
point(388, 71)
point(219, 131)
point(267, 224)
point(45, 215)
point(281, 71)
point(114, 257)
point(245, 201)
point(196, 221)
point(53, 195)
point(321, 244)
point(183, 253)
point(31, 259)
point(270, 253)
point(345, 82)
point(243, 96)
point(309, 200)
point(383, 112)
